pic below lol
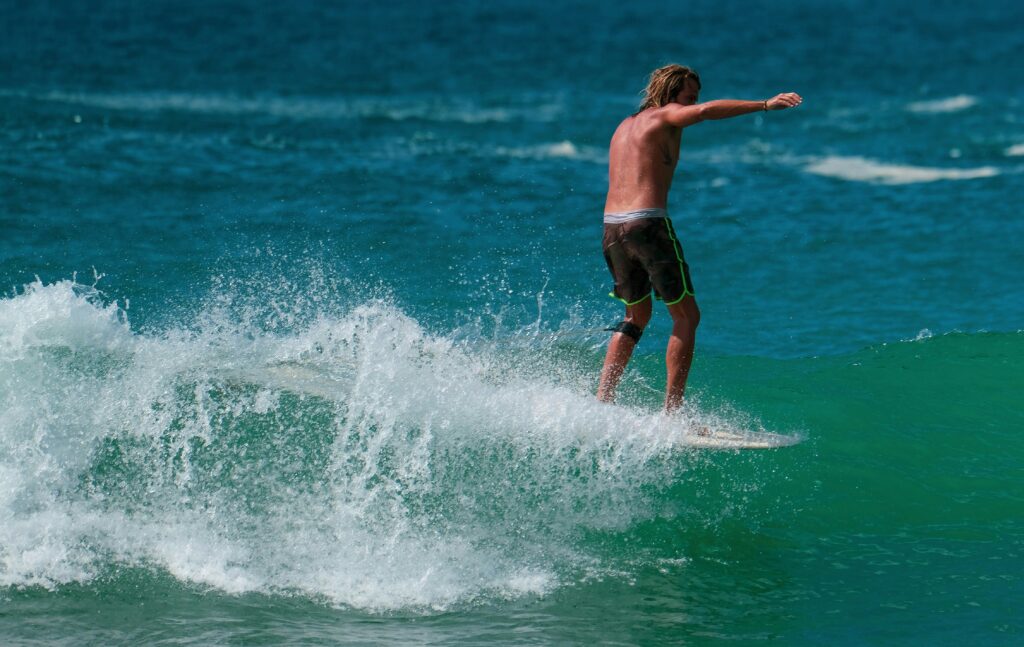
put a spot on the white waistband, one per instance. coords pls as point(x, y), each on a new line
point(626, 216)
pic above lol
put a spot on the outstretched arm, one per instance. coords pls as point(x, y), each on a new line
point(683, 116)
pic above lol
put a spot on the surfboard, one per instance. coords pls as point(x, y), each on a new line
point(707, 438)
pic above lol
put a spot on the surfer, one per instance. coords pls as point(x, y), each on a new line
point(640, 245)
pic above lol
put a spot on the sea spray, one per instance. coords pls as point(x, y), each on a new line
point(351, 456)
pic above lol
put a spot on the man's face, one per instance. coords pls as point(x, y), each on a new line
point(689, 94)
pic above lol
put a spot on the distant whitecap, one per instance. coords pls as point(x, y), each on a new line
point(949, 104)
point(563, 149)
point(860, 169)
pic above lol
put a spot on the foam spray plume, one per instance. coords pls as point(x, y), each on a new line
point(354, 458)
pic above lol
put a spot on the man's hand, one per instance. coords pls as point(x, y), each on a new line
point(783, 101)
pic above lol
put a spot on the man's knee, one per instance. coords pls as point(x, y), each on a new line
point(685, 313)
point(640, 314)
point(694, 316)
point(637, 318)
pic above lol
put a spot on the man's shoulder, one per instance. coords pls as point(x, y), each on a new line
point(651, 119)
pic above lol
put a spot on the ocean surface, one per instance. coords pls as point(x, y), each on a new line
point(302, 310)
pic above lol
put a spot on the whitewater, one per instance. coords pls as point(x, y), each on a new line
point(358, 459)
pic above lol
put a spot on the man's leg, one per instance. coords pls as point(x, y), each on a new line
point(620, 348)
point(679, 355)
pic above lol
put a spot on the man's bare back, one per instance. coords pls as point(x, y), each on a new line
point(640, 244)
point(642, 158)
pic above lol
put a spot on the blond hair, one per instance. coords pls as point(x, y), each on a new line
point(665, 83)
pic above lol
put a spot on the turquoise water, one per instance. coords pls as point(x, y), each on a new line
point(303, 316)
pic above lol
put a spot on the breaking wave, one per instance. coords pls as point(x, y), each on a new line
point(356, 458)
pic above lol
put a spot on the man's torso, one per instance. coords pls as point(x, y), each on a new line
point(642, 158)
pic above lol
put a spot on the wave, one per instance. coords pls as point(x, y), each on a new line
point(860, 169)
point(357, 458)
point(300, 108)
point(350, 456)
point(946, 105)
point(1014, 151)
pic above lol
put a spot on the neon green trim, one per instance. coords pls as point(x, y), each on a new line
point(628, 304)
point(679, 257)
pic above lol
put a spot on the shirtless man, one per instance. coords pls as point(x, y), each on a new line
point(640, 245)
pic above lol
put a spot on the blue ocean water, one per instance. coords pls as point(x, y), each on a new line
point(303, 304)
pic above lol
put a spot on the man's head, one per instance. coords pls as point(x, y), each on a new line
point(667, 84)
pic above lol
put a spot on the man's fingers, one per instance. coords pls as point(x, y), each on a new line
point(790, 99)
point(784, 100)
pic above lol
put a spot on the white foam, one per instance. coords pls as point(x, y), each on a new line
point(948, 104)
point(444, 476)
point(1014, 151)
point(860, 169)
point(42, 313)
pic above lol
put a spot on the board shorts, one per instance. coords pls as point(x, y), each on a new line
point(643, 252)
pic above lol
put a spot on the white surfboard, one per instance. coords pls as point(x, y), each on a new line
point(708, 438)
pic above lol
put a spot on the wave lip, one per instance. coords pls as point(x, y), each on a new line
point(946, 105)
point(861, 169)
